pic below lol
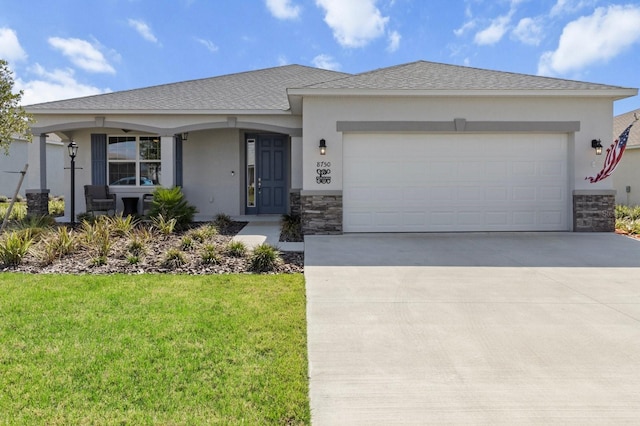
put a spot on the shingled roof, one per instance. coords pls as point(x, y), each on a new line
point(268, 89)
point(621, 122)
point(423, 75)
point(259, 90)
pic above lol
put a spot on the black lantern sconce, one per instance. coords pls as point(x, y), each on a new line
point(597, 145)
point(323, 147)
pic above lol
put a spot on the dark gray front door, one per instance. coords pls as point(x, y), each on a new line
point(271, 175)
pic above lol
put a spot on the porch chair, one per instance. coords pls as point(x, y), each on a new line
point(98, 199)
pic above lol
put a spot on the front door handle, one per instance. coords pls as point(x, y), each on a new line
point(259, 184)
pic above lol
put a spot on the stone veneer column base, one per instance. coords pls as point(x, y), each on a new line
point(321, 212)
point(37, 202)
point(594, 211)
point(295, 204)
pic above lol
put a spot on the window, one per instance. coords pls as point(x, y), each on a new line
point(134, 160)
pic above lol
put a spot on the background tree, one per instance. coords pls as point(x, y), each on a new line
point(14, 120)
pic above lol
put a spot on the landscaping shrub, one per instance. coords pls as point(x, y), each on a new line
point(222, 222)
point(14, 246)
point(85, 217)
point(291, 227)
point(236, 249)
point(210, 255)
point(264, 258)
point(18, 212)
point(628, 219)
point(4, 199)
point(36, 225)
point(170, 203)
point(56, 207)
point(174, 259)
point(97, 237)
point(122, 225)
point(56, 244)
point(186, 244)
point(164, 226)
point(136, 247)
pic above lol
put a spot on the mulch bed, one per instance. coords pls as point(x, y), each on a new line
point(153, 261)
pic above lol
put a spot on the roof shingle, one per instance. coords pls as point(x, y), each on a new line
point(253, 90)
point(423, 75)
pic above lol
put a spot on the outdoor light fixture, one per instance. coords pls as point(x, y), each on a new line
point(73, 151)
point(185, 136)
point(597, 145)
point(323, 147)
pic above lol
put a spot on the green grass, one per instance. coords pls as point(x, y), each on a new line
point(153, 349)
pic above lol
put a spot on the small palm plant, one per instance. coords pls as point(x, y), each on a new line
point(170, 203)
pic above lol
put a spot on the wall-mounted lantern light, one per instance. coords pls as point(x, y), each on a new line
point(185, 136)
point(323, 147)
point(597, 145)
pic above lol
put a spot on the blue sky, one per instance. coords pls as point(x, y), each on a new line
point(68, 48)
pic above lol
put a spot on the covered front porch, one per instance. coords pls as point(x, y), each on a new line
point(223, 165)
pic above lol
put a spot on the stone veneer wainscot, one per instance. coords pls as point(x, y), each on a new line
point(594, 210)
point(321, 212)
point(37, 202)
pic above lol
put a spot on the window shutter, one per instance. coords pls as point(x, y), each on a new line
point(98, 159)
point(178, 158)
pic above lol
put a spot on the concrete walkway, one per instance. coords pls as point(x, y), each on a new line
point(264, 229)
point(540, 328)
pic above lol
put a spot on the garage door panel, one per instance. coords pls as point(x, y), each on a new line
point(551, 193)
point(455, 183)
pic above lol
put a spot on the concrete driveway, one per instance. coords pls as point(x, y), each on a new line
point(526, 328)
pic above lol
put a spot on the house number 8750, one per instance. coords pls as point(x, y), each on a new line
point(324, 164)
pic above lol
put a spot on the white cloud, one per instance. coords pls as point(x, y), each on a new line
point(469, 25)
point(355, 22)
point(211, 46)
point(326, 62)
point(283, 9)
point(143, 29)
point(394, 41)
point(564, 7)
point(52, 86)
point(529, 31)
point(282, 60)
point(83, 54)
point(591, 39)
point(10, 48)
point(494, 32)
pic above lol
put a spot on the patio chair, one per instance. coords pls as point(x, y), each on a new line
point(98, 199)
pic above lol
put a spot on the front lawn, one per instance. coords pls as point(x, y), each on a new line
point(153, 349)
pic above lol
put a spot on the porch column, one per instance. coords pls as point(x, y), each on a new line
point(295, 207)
point(37, 158)
point(167, 161)
point(37, 192)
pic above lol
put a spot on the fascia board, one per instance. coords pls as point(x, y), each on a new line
point(620, 93)
point(241, 112)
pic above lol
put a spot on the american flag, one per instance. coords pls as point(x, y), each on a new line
point(614, 155)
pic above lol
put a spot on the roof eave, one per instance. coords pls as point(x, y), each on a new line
point(614, 93)
point(98, 112)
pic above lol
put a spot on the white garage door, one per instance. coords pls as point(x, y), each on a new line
point(443, 183)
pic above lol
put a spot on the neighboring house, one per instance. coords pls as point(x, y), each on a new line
point(13, 163)
point(419, 147)
point(626, 177)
